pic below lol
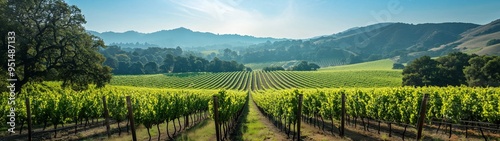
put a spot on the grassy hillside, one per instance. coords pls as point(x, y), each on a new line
point(475, 40)
point(398, 36)
point(385, 64)
point(368, 74)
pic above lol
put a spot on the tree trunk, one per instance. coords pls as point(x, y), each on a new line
point(128, 122)
point(119, 129)
point(44, 125)
point(404, 132)
point(390, 129)
point(368, 124)
point(168, 133)
point(363, 122)
point(175, 128)
point(323, 122)
point(76, 125)
point(482, 133)
point(450, 129)
point(180, 126)
point(55, 130)
point(379, 127)
point(149, 134)
point(159, 133)
point(355, 119)
point(21, 129)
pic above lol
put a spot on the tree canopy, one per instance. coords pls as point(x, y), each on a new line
point(163, 60)
point(51, 41)
point(484, 71)
point(305, 66)
point(274, 68)
point(455, 69)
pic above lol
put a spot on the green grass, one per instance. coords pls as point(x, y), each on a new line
point(368, 78)
point(367, 74)
point(385, 64)
point(252, 127)
point(203, 131)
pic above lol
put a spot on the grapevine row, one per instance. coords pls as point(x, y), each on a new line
point(53, 105)
point(390, 105)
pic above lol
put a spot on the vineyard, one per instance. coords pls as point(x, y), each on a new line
point(371, 74)
point(166, 106)
point(463, 108)
point(53, 106)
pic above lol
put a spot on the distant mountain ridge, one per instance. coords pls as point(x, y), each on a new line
point(476, 40)
point(402, 42)
point(182, 37)
point(397, 37)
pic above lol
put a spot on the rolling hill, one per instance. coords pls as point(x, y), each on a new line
point(402, 37)
point(182, 37)
point(384, 40)
point(401, 41)
point(476, 39)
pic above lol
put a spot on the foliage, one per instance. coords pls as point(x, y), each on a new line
point(451, 68)
point(278, 68)
point(229, 104)
point(398, 66)
point(51, 41)
point(151, 68)
point(422, 72)
point(54, 105)
point(455, 69)
point(493, 42)
point(281, 104)
point(163, 60)
point(304, 66)
point(399, 105)
point(483, 71)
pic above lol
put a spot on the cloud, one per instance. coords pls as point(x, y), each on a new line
point(212, 9)
point(235, 17)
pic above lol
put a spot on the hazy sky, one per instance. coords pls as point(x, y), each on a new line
point(276, 18)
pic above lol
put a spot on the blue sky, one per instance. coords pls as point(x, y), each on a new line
point(277, 18)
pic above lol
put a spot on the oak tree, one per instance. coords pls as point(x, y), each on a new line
point(50, 39)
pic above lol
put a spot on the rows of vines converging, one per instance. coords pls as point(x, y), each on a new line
point(53, 105)
point(230, 108)
point(261, 80)
point(280, 107)
point(391, 105)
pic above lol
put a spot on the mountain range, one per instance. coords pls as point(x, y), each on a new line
point(385, 40)
point(182, 37)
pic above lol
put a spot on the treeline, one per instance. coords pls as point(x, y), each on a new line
point(163, 60)
point(285, 51)
point(302, 66)
point(455, 69)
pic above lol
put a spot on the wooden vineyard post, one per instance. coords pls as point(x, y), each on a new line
point(28, 112)
point(342, 116)
point(106, 115)
point(299, 114)
point(131, 118)
point(422, 116)
point(216, 117)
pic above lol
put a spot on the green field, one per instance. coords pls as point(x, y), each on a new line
point(369, 74)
